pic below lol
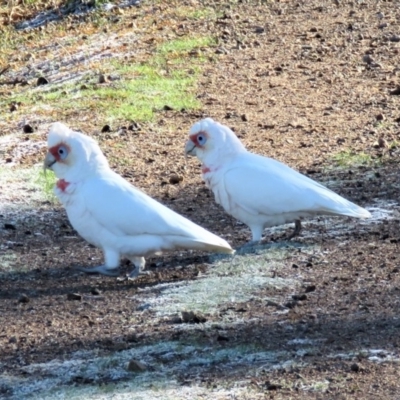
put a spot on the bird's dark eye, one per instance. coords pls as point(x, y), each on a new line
point(62, 152)
point(201, 139)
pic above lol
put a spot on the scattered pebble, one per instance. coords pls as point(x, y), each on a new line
point(190, 317)
point(310, 288)
point(23, 299)
point(175, 179)
point(27, 128)
point(102, 79)
point(300, 297)
point(355, 367)
point(136, 366)
point(74, 296)
point(42, 81)
point(9, 226)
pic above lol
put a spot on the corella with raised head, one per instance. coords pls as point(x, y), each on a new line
point(257, 190)
point(112, 214)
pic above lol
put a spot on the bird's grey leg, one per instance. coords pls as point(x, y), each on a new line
point(297, 229)
point(109, 268)
point(139, 263)
point(256, 232)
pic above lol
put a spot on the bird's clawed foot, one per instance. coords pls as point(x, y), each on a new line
point(101, 269)
point(136, 273)
point(297, 229)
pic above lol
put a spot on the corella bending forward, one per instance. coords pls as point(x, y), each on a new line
point(110, 213)
point(259, 191)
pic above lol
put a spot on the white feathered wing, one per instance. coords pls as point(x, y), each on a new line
point(139, 224)
point(261, 185)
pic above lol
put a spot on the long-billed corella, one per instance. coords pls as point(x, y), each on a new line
point(112, 214)
point(257, 190)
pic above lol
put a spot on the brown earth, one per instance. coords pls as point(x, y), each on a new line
point(293, 80)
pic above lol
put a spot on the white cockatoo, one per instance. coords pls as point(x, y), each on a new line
point(110, 213)
point(259, 191)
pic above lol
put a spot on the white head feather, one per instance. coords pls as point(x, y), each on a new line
point(73, 155)
point(210, 141)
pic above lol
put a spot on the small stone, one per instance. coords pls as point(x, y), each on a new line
point(382, 143)
point(167, 108)
point(310, 288)
point(244, 117)
point(42, 81)
point(368, 59)
point(13, 107)
point(175, 179)
point(95, 292)
point(259, 29)
point(102, 79)
point(299, 297)
point(27, 128)
point(380, 117)
point(134, 126)
point(74, 296)
point(136, 366)
point(355, 367)
point(105, 128)
point(192, 318)
point(395, 92)
point(272, 386)
point(175, 320)
point(290, 304)
point(395, 38)
point(221, 50)
point(13, 339)
point(9, 226)
point(23, 299)
point(295, 266)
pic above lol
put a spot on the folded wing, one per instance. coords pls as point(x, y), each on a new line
point(126, 211)
point(262, 185)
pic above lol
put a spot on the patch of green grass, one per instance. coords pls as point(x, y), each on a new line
point(204, 13)
point(182, 46)
point(167, 79)
point(141, 97)
point(46, 180)
point(349, 158)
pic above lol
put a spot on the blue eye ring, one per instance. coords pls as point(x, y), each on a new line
point(62, 152)
point(201, 139)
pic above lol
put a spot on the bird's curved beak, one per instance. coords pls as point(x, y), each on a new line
point(190, 148)
point(49, 161)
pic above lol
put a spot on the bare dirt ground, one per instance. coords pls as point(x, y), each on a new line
point(307, 82)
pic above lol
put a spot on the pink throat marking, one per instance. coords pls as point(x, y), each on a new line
point(205, 170)
point(62, 184)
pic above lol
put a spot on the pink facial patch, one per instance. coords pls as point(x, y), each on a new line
point(205, 170)
point(62, 184)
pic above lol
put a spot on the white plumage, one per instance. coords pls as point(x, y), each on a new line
point(259, 191)
point(110, 213)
